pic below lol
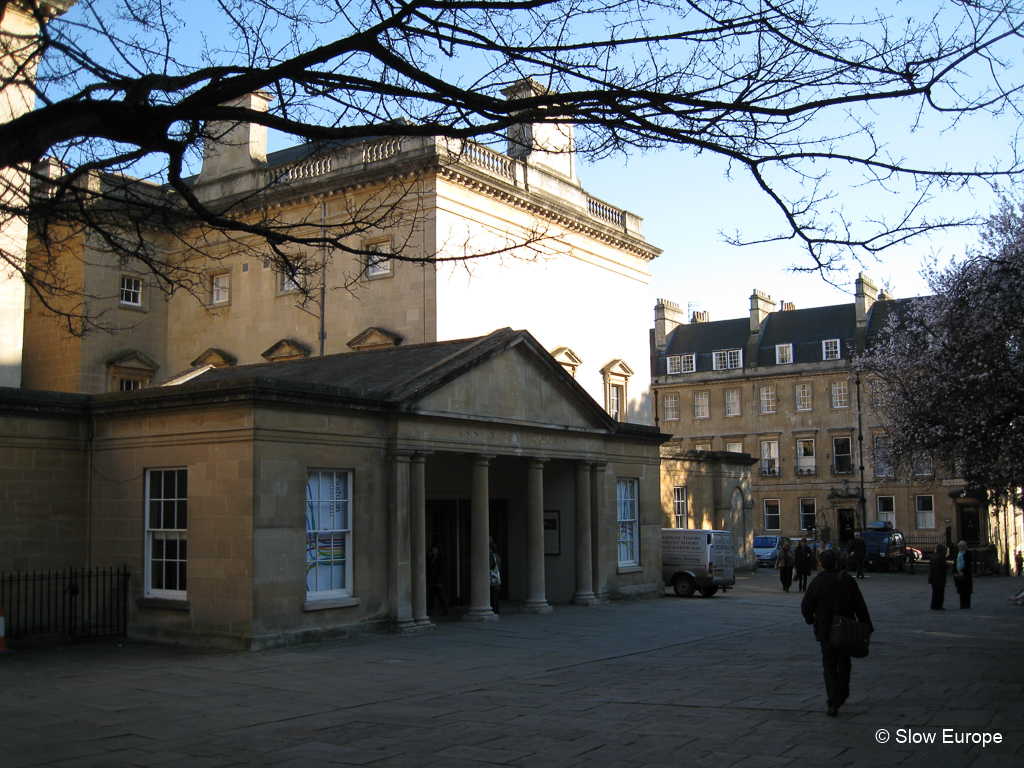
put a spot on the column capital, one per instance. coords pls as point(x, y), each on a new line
point(534, 461)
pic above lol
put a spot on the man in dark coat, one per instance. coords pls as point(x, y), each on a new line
point(937, 576)
point(858, 552)
point(830, 588)
point(962, 575)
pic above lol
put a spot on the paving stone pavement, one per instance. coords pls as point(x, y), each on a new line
point(730, 681)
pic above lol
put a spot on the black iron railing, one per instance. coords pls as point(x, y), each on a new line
point(75, 602)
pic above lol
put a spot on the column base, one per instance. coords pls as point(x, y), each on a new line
point(536, 608)
point(409, 627)
point(480, 616)
point(424, 621)
point(587, 600)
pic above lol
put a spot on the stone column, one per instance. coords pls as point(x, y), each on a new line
point(418, 519)
point(536, 591)
point(400, 586)
point(599, 529)
point(584, 574)
point(480, 535)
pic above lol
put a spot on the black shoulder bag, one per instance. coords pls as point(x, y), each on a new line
point(848, 635)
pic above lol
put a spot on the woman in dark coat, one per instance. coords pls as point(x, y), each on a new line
point(937, 576)
point(962, 574)
point(804, 563)
point(784, 565)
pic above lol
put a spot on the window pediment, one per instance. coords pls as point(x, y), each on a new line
point(286, 349)
point(215, 358)
point(374, 338)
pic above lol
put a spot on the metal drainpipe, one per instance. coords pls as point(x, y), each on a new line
point(323, 274)
point(862, 503)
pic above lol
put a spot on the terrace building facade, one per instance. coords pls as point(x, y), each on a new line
point(779, 386)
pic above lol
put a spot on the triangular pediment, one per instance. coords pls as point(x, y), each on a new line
point(132, 359)
point(566, 357)
point(617, 368)
point(374, 338)
point(513, 386)
point(214, 358)
point(286, 349)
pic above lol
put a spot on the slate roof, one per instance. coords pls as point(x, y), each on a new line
point(805, 329)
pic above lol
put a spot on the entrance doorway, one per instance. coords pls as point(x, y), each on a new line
point(970, 525)
point(448, 528)
point(846, 520)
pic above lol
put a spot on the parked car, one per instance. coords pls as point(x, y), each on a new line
point(766, 549)
point(886, 546)
point(915, 555)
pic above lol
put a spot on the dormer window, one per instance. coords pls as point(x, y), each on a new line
point(725, 359)
point(830, 349)
point(783, 354)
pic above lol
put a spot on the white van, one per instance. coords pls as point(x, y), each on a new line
point(696, 560)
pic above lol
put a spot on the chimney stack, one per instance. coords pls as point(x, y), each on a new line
point(236, 147)
point(667, 317)
point(867, 294)
point(761, 305)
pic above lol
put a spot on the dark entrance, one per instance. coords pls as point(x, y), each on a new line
point(970, 525)
point(846, 521)
point(448, 528)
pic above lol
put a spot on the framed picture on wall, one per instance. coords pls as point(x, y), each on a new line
point(552, 532)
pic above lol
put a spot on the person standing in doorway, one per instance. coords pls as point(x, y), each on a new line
point(831, 591)
point(1018, 559)
point(784, 563)
point(937, 576)
point(437, 593)
point(494, 563)
point(962, 574)
point(858, 552)
point(804, 562)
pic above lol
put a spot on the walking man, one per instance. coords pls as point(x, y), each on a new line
point(937, 576)
point(858, 551)
point(831, 592)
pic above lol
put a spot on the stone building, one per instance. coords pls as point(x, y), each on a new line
point(285, 502)
point(19, 57)
point(780, 386)
point(568, 267)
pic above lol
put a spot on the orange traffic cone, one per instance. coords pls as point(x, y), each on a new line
point(3, 634)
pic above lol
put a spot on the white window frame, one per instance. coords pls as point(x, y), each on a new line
point(328, 534)
point(727, 359)
point(378, 266)
point(924, 464)
point(734, 447)
point(882, 461)
point(703, 447)
point(286, 284)
point(836, 455)
point(783, 354)
point(674, 364)
point(627, 503)
point(689, 363)
point(831, 349)
point(777, 515)
point(130, 293)
point(220, 288)
point(770, 458)
point(680, 507)
point(925, 515)
point(887, 515)
point(166, 521)
point(806, 462)
point(804, 397)
point(701, 405)
point(732, 402)
point(769, 404)
point(616, 394)
point(804, 514)
point(670, 404)
point(840, 394)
